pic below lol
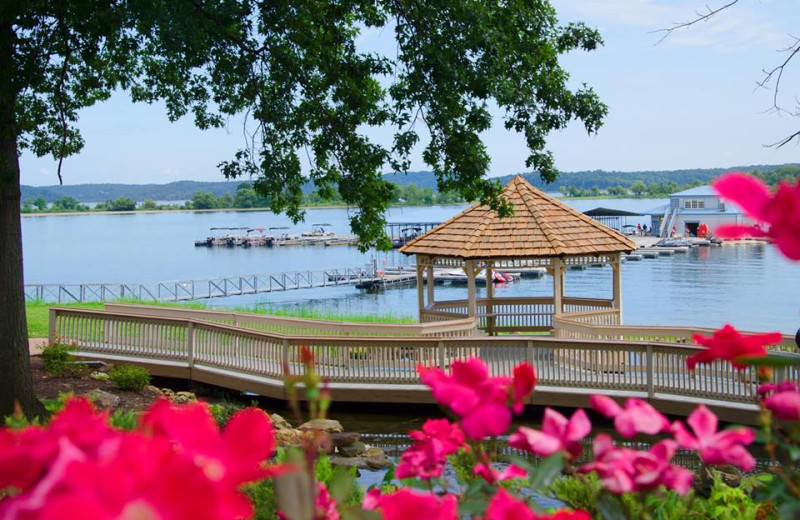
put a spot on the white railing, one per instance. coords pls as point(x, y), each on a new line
point(513, 314)
point(375, 368)
point(600, 325)
point(302, 326)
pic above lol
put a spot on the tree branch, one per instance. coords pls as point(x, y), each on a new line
point(702, 16)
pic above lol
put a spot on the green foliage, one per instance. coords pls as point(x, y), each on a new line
point(343, 478)
point(725, 502)
point(148, 205)
point(129, 377)
point(124, 420)
point(262, 495)
point(51, 406)
point(222, 412)
point(121, 204)
point(58, 360)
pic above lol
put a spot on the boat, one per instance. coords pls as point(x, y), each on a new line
point(406, 235)
point(458, 276)
point(217, 239)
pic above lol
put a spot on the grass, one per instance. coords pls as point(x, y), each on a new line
point(38, 313)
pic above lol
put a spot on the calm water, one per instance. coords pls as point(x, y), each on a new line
point(750, 286)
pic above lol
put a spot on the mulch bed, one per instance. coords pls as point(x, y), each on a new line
point(46, 386)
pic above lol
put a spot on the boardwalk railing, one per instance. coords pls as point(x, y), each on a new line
point(516, 314)
point(183, 290)
point(599, 325)
point(383, 369)
point(303, 326)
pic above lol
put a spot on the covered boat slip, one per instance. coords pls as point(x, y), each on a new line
point(543, 232)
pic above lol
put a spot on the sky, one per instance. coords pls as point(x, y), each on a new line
point(691, 101)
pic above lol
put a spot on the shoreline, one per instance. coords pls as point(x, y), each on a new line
point(323, 206)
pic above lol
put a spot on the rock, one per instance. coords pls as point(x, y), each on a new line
point(153, 389)
point(349, 462)
point(326, 425)
point(103, 400)
point(353, 450)
point(372, 451)
point(380, 462)
point(184, 398)
point(279, 422)
point(286, 438)
point(344, 438)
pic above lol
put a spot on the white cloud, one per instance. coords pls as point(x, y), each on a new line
point(736, 28)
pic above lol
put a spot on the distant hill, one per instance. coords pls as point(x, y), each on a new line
point(184, 190)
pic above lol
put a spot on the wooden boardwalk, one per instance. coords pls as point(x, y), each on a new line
point(379, 365)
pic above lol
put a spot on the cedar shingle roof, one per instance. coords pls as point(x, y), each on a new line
point(540, 227)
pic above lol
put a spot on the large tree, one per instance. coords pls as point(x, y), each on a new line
point(293, 69)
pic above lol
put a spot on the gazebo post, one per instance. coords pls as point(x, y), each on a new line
point(489, 297)
point(420, 289)
point(616, 267)
point(558, 285)
point(472, 306)
point(429, 281)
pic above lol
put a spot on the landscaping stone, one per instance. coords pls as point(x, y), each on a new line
point(366, 463)
point(104, 400)
point(325, 425)
point(344, 438)
point(286, 438)
point(184, 398)
point(279, 422)
point(352, 450)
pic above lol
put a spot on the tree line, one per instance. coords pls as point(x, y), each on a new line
point(245, 197)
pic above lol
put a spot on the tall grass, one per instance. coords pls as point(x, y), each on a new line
point(38, 313)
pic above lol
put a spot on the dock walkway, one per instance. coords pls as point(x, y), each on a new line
point(382, 368)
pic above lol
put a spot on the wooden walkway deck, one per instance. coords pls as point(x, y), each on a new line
point(382, 368)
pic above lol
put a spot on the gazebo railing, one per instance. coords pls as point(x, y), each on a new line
point(598, 325)
point(518, 314)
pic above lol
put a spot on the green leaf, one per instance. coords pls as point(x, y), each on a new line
point(610, 508)
point(475, 499)
point(356, 513)
point(546, 472)
point(775, 359)
point(342, 483)
point(388, 477)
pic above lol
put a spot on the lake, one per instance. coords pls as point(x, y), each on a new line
point(750, 286)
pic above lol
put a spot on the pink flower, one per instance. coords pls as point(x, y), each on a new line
point(784, 405)
point(504, 506)
point(728, 343)
point(623, 470)
point(715, 448)
point(180, 467)
point(491, 475)
point(767, 389)
point(406, 504)
point(522, 385)
point(469, 392)
point(557, 434)
point(325, 505)
point(426, 458)
point(637, 417)
point(780, 211)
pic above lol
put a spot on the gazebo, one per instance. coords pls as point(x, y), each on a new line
point(542, 233)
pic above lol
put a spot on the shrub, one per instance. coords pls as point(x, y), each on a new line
point(129, 377)
point(124, 420)
point(223, 412)
point(58, 360)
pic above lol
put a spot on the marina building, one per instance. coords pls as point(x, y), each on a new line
point(692, 211)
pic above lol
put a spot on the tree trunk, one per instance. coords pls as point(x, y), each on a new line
point(16, 385)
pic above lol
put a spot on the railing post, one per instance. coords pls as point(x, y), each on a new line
point(650, 384)
point(51, 334)
point(285, 356)
point(441, 355)
point(190, 346)
point(529, 351)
